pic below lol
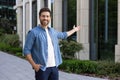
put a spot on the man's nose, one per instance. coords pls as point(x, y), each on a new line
point(45, 17)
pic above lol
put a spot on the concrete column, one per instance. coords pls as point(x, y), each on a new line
point(117, 47)
point(83, 34)
point(40, 4)
point(19, 22)
point(24, 24)
point(27, 18)
point(57, 15)
point(19, 11)
point(49, 6)
point(30, 15)
point(18, 2)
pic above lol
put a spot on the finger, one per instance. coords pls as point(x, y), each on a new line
point(73, 26)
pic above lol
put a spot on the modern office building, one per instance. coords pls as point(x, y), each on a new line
point(27, 18)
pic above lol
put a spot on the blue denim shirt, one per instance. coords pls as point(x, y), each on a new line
point(36, 44)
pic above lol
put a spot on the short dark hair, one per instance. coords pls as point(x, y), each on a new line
point(45, 9)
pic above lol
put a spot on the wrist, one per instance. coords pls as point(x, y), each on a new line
point(74, 29)
point(34, 65)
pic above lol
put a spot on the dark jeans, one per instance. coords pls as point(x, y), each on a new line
point(50, 73)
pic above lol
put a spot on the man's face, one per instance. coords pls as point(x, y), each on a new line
point(45, 19)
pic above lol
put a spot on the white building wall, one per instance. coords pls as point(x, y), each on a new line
point(19, 11)
point(117, 47)
point(57, 15)
point(83, 34)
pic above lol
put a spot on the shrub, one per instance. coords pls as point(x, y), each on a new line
point(68, 48)
point(12, 40)
point(10, 43)
point(19, 54)
point(4, 47)
point(15, 49)
point(1, 32)
point(98, 68)
point(78, 66)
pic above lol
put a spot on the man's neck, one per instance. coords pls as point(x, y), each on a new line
point(45, 27)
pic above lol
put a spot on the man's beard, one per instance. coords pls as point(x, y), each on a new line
point(44, 22)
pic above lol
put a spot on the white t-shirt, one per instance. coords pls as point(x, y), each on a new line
point(51, 55)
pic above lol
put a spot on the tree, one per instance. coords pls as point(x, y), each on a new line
point(5, 26)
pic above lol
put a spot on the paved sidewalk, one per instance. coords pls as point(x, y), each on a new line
point(14, 68)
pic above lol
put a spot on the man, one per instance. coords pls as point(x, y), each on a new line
point(42, 48)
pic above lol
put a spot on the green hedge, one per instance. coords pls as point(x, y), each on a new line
point(10, 39)
point(10, 43)
point(4, 47)
point(105, 68)
point(77, 66)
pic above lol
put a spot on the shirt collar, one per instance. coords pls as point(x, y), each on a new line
point(39, 26)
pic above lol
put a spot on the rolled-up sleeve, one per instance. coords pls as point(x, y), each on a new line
point(29, 43)
point(61, 35)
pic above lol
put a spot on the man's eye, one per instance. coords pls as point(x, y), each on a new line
point(43, 16)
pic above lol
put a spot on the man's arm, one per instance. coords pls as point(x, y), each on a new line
point(75, 29)
point(34, 65)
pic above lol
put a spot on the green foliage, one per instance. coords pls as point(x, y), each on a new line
point(12, 40)
point(108, 68)
point(20, 55)
point(68, 48)
point(99, 68)
point(77, 66)
point(4, 47)
point(15, 49)
point(6, 26)
point(10, 43)
point(1, 31)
